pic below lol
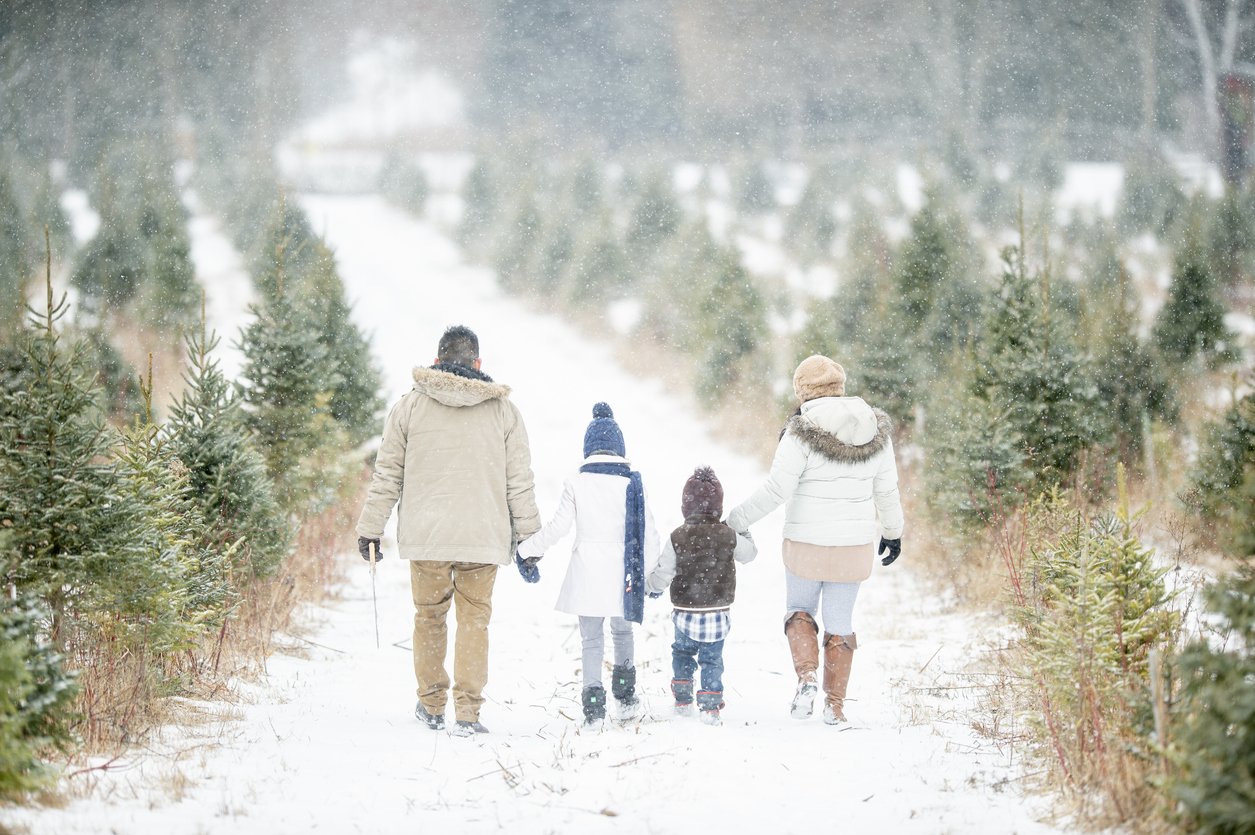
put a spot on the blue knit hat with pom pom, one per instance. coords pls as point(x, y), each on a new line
point(603, 433)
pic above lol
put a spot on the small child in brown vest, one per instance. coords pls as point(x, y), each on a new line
point(698, 562)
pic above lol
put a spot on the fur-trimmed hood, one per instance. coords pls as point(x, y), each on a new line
point(453, 384)
point(844, 430)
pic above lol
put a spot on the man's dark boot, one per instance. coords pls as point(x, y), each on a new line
point(436, 723)
point(594, 699)
point(623, 688)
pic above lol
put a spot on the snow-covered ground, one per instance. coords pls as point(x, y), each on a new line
point(328, 741)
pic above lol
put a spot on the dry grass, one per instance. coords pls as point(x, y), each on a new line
point(126, 697)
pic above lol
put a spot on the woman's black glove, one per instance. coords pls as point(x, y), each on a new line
point(653, 595)
point(894, 546)
point(527, 567)
point(363, 547)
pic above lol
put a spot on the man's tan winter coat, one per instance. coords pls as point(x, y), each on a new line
point(455, 453)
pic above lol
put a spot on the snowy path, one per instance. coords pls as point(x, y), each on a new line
point(329, 743)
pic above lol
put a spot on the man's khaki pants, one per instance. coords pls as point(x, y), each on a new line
point(434, 585)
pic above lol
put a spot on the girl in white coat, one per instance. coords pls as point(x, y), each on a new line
point(835, 473)
point(616, 547)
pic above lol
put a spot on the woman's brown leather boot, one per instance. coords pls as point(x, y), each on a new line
point(838, 657)
point(803, 635)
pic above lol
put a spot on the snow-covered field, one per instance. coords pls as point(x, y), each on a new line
point(328, 741)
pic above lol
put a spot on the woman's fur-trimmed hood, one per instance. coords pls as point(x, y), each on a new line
point(844, 430)
point(453, 384)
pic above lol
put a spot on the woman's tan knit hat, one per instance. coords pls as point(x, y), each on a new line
point(818, 377)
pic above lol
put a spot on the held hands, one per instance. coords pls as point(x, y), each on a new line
point(893, 546)
point(528, 568)
point(654, 595)
point(363, 547)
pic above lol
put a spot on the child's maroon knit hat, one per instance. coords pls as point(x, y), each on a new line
point(702, 494)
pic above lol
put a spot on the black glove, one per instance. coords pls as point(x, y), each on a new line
point(654, 595)
point(527, 567)
point(894, 546)
point(363, 546)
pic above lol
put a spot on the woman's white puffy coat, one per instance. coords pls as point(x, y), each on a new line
point(834, 470)
point(596, 505)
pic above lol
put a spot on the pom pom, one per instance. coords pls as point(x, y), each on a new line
point(705, 474)
point(602, 410)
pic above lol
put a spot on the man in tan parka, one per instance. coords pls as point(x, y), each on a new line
point(455, 454)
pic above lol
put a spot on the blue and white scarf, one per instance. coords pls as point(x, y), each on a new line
point(633, 538)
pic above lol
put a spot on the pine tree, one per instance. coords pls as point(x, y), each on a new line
point(655, 218)
point(811, 227)
point(1214, 714)
point(36, 697)
point(518, 245)
point(1030, 364)
point(286, 391)
point(79, 520)
point(355, 400)
point(1132, 381)
point(226, 475)
point(732, 326)
point(480, 200)
point(1224, 475)
point(940, 305)
point(599, 268)
point(1191, 322)
point(975, 453)
point(140, 259)
point(14, 260)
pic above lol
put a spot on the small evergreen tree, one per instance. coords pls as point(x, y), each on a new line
point(732, 326)
point(226, 475)
point(480, 202)
point(975, 453)
point(355, 400)
point(36, 697)
point(811, 228)
point(1224, 475)
point(518, 245)
point(1214, 714)
point(286, 392)
point(655, 219)
point(78, 519)
point(1030, 364)
point(599, 268)
point(140, 259)
point(1191, 322)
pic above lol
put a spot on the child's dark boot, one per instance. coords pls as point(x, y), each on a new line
point(623, 688)
point(594, 699)
point(710, 702)
point(683, 692)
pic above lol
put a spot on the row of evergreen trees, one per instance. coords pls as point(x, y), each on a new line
point(575, 238)
point(138, 265)
point(141, 541)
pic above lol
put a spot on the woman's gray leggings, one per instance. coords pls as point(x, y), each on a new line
point(836, 600)
point(592, 632)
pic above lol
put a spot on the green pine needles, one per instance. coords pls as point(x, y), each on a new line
point(1213, 744)
point(1091, 604)
point(227, 480)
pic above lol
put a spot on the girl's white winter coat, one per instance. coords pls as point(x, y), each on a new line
point(596, 505)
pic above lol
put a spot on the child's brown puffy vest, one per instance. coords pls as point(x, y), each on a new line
point(705, 573)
